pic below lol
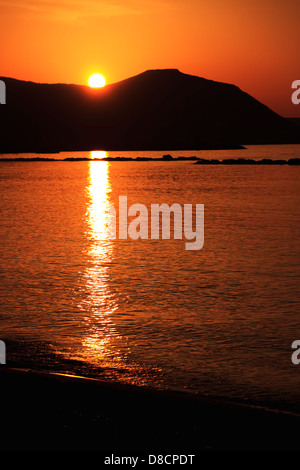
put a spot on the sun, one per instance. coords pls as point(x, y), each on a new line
point(96, 81)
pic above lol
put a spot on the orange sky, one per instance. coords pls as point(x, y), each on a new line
point(253, 44)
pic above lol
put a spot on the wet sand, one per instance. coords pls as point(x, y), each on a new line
point(52, 411)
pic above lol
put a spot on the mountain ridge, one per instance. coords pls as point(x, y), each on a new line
point(162, 109)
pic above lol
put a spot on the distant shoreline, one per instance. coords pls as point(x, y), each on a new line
point(52, 150)
point(164, 158)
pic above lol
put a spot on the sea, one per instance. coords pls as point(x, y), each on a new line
point(215, 322)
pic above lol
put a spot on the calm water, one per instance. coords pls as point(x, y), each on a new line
point(219, 321)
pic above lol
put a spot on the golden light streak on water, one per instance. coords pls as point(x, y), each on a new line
point(99, 344)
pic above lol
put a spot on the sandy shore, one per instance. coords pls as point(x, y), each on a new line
point(52, 411)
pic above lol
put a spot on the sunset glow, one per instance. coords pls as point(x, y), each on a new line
point(251, 44)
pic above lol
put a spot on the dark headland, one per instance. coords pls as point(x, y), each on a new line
point(156, 110)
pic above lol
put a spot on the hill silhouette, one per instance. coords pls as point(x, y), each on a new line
point(155, 110)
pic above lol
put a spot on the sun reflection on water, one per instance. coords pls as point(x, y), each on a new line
point(97, 212)
point(102, 348)
point(99, 342)
point(98, 154)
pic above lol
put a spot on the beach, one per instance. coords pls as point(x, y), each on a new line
point(55, 411)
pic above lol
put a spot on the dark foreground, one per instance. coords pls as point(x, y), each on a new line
point(51, 411)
